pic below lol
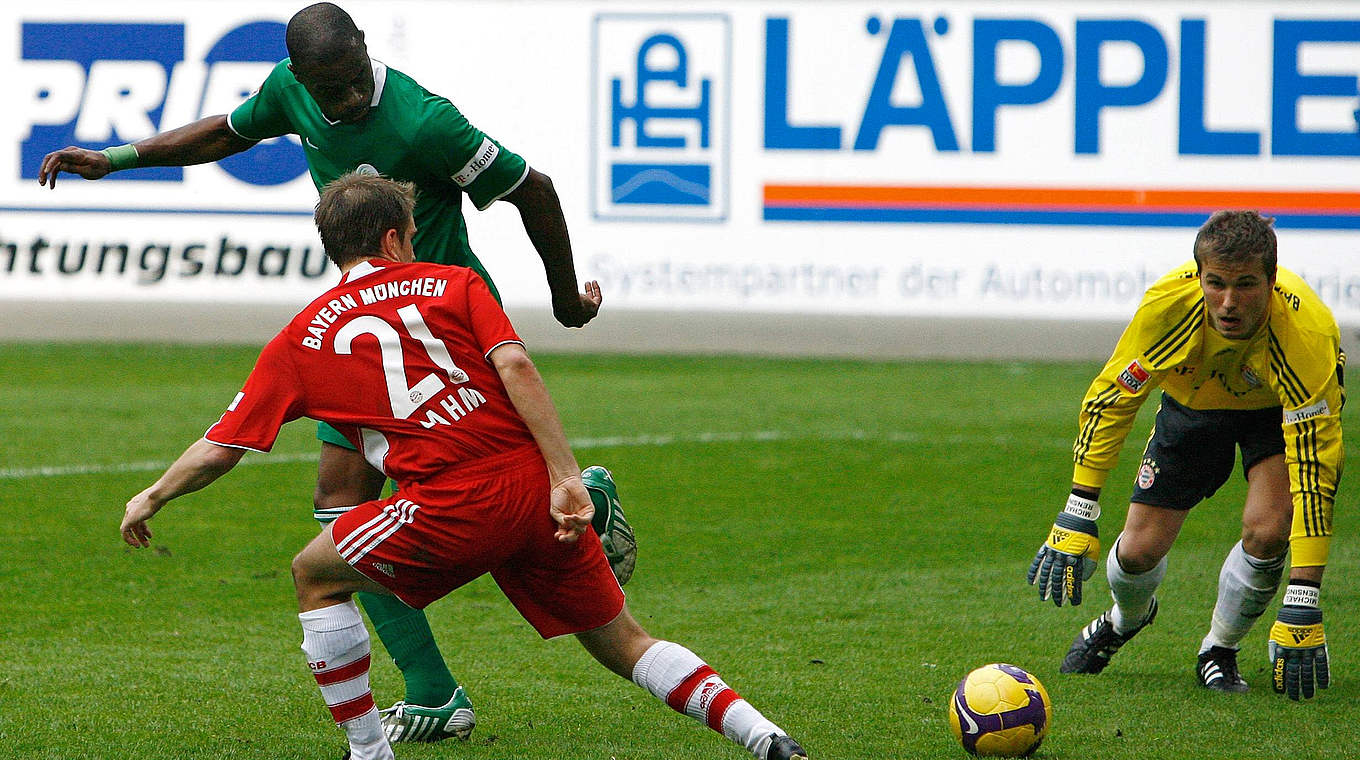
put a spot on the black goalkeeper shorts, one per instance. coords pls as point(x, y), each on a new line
point(1191, 451)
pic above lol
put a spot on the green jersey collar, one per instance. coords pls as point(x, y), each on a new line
point(379, 80)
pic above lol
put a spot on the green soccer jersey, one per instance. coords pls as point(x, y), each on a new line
point(409, 134)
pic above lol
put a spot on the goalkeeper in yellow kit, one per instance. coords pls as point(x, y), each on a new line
point(1248, 357)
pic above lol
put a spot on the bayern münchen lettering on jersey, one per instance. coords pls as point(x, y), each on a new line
point(395, 358)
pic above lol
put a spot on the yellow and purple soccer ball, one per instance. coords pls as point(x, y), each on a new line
point(1000, 710)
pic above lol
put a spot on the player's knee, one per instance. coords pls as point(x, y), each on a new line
point(302, 575)
point(1265, 542)
point(1136, 560)
point(313, 590)
point(328, 496)
point(323, 498)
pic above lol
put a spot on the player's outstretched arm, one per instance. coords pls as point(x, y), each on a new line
point(570, 506)
point(1072, 551)
point(541, 212)
point(201, 142)
point(199, 465)
point(1298, 644)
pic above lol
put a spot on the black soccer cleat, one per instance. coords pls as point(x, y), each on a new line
point(785, 748)
point(1217, 670)
point(1096, 644)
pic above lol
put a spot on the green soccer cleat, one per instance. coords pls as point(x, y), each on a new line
point(414, 723)
point(616, 535)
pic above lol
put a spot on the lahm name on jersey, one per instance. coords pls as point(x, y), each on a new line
point(470, 399)
point(326, 316)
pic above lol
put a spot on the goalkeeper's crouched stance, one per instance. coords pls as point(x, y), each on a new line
point(1249, 360)
point(435, 707)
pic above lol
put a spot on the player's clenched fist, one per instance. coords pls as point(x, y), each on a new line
point(1070, 554)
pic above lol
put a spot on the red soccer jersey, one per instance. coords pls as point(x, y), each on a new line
point(394, 357)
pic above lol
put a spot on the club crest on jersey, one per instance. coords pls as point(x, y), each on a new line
point(1147, 473)
point(1250, 377)
point(1134, 377)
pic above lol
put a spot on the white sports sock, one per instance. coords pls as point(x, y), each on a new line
point(336, 644)
point(1246, 584)
point(1132, 593)
point(677, 676)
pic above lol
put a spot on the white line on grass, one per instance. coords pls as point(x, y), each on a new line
point(901, 436)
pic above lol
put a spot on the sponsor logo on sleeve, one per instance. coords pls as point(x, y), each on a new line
point(1134, 377)
point(1304, 413)
point(486, 155)
point(232, 406)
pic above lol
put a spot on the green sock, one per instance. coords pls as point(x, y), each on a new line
point(405, 632)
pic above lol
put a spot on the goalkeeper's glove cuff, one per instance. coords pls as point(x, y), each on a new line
point(1300, 616)
point(1302, 594)
point(1072, 522)
point(1082, 507)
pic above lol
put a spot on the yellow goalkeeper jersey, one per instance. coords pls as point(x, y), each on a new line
point(1293, 361)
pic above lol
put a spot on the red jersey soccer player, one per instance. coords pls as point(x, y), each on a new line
point(418, 366)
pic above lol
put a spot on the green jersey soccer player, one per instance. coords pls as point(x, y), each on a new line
point(355, 114)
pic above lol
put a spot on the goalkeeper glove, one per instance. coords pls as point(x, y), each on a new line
point(1070, 554)
point(1298, 647)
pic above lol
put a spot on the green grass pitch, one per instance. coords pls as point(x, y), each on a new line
point(841, 540)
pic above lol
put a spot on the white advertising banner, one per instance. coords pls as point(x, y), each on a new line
point(993, 159)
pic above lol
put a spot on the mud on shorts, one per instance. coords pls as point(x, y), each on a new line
point(1191, 451)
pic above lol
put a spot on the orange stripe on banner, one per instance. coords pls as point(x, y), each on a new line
point(1057, 197)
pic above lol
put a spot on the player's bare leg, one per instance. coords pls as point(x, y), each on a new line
point(435, 707)
point(336, 643)
point(677, 676)
point(1251, 573)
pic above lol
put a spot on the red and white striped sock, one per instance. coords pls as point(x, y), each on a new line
point(679, 678)
point(336, 644)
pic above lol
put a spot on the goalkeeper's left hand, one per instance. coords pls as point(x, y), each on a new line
point(1070, 554)
point(1298, 646)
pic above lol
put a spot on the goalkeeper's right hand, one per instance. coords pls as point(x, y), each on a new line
point(1070, 554)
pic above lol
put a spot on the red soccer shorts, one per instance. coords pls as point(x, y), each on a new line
point(487, 517)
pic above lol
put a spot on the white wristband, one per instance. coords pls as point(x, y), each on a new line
point(1302, 596)
point(1086, 509)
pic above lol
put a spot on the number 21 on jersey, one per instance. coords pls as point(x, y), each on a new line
point(405, 400)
